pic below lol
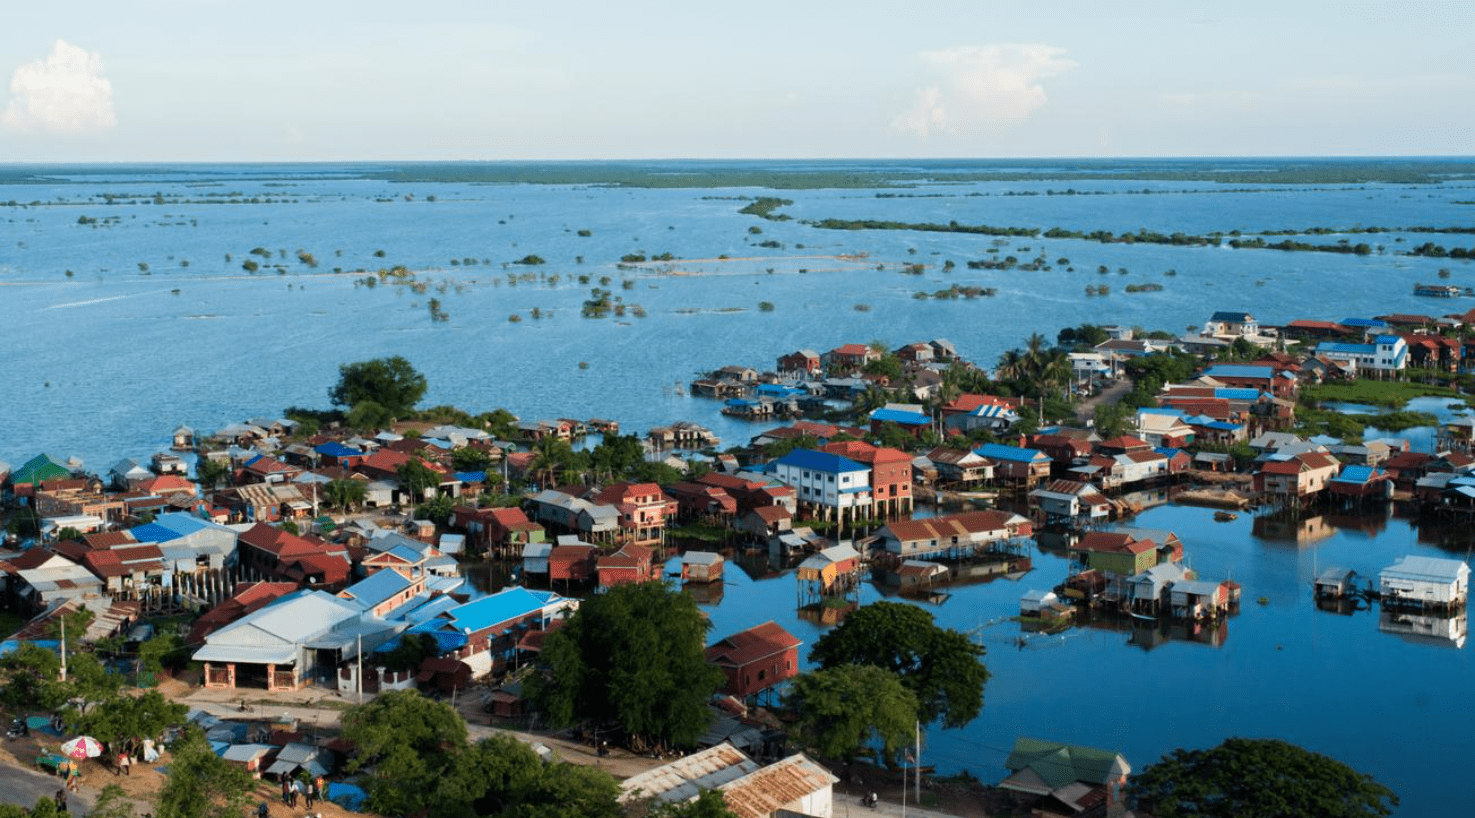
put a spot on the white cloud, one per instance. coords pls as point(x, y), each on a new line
point(65, 92)
point(972, 86)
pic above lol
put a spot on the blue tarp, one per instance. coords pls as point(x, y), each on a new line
point(347, 796)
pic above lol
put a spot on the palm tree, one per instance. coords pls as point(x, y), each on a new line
point(1011, 366)
point(549, 455)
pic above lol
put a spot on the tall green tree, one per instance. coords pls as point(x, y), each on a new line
point(346, 494)
point(123, 718)
point(390, 382)
point(939, 665)
point(416, 477)
point(1256, 778)
point(634, 656)
point(33, 678)
point(201, 784)
point(843, 711)
point(405, 743)
point(89, 681)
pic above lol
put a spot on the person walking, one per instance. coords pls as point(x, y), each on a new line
point(61, 801)
point(125, 762)
point(312, 792)
point(286, 791)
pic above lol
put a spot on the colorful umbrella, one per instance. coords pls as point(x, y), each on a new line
point(82, 747)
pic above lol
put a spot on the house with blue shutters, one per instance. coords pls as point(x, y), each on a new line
point(827, 486)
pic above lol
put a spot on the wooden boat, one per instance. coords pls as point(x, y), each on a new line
point(1225, 516)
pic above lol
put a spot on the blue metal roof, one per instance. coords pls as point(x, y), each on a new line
point(335, 449)
point(1356, 474)
point(1346, 348)
point(1167, 452)
point(821, 461)
point(506, 604)
point(1363, 322)
point(1240, 371)
point(153, 532)
point(1387, 339)
point(1235, 317)
point(377, 587)
point(1236, 393)
point(998, 451)
point(471, 476)
point(901, 416)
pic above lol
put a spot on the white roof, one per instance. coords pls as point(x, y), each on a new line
point(1427, 569)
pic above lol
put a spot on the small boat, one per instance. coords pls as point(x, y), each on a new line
point(1225, 516)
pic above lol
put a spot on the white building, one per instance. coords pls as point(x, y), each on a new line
point(1424, 582)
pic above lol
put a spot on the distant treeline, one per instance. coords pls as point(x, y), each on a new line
point(1145, 236)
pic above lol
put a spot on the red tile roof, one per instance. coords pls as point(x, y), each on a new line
point(751, 645)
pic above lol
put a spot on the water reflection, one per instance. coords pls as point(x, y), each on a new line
point(1292, 527)
point(1446, 632)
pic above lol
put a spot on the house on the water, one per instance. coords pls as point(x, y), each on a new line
point(1425, 583)
point(701, 566)
point(756, 659)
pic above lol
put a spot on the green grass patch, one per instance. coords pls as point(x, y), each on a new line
point(1374, 393)
point(700, 531)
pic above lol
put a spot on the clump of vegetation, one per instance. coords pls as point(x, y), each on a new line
point(530, 259)
point(764, 206)
point(765, 306)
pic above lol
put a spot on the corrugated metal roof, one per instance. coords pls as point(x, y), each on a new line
point(683, 779)
point(764, 791)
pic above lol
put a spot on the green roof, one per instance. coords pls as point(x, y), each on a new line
point(1060, 764)
point(39, 468)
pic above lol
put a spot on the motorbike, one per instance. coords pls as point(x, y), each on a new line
point(868, 800)
point(17, 729)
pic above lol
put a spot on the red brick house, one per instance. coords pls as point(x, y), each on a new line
point(756, 659)
point(572, 562)
point(850, 356)
point(632, 563)
point(803, 361)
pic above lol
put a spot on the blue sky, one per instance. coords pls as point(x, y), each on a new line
point(200, 80)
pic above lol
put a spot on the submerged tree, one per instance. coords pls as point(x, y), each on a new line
point(939, 665)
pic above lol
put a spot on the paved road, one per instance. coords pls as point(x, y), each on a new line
point(21, 786)
point(1111, 394)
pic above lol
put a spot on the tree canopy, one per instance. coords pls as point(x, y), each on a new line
point(390, 382)
point(1256, 778)
point(201, 784)
point(939, 665)
point(407, 742)
point(121, 718)
point(417, 759)
point(633, 656)
point(843, 711)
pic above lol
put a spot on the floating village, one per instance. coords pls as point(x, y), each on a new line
point(296, 554)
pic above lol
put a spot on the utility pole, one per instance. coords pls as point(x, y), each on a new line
point(64, 647)
point(359, 676)
point(917, 762)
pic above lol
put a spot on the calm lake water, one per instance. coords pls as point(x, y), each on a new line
point(104, 363)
